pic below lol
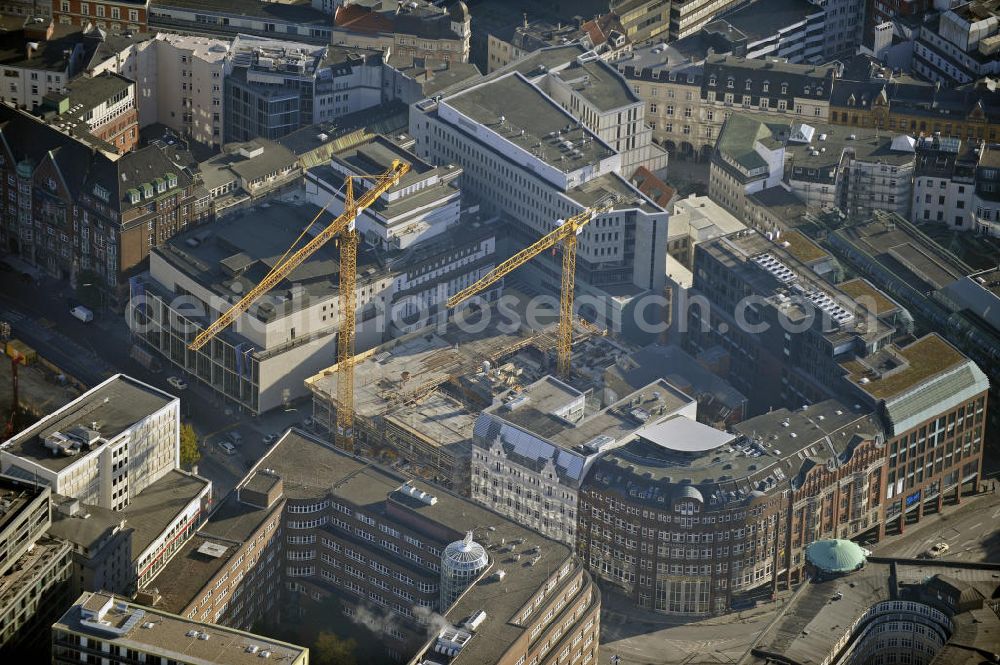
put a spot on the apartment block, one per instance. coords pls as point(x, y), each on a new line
point(311, 522)
point(118, 632)
point(35, 569)
point(104, 448)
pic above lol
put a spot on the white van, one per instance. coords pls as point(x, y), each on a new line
point(82, 313)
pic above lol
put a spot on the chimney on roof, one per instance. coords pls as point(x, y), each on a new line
point(38, 29)
point(30, 48)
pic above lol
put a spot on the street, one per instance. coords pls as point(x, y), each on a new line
point(641, 639)
point(91, 352)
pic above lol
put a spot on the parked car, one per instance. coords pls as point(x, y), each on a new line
point(269, 439)
point(308, 422)
point(177, 383)
point(936, 550)
point(82, 313)
point(235, 437)
point(227, 447)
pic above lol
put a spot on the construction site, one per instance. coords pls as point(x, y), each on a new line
point(416, 398)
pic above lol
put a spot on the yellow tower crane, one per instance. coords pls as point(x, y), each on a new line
point(342, 226)
point(566, 234)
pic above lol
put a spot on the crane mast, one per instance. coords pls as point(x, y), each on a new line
point(342, 226)
point(566, 233)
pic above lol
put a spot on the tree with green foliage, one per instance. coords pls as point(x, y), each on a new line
point(332, 650)
point(189, 446)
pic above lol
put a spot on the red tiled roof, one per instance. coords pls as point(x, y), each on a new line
point(647, 183)
point(360, 19)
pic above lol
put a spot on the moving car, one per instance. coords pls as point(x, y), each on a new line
point(177, 383)
point(937, 550)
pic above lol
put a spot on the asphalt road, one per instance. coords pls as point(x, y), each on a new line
point(92, 352)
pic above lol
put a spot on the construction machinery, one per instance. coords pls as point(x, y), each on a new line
point(566, 233)
point(342, 227)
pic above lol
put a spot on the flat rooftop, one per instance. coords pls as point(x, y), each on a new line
point(895, 370)
point(147, 630)
point(14, 497)
point(904, 250)
point(860, 288)
point(299, 458)
point(600, 190)
point(599, 83)
point(293, 11)
point(764, 18)
point(786, 278)
point(519, 112)
point(228, 527)
point(771, 451)
point(814, 627)
point(148, 514)
point(114, 405)
point(564, 417)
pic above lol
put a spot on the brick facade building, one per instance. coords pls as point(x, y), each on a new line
point(71, 206)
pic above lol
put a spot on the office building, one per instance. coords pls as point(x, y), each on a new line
point(295, 84)
point(933, 448)
point(425, 203)
point(688, 520)
point(904, 104)
point(35, 569)
point(794, 280)
point(416, 28)
point(534, 447)
point(604, 34)
point(960, 44)
point(296, 324)
point(104, 106)
point(118, 632)
point(397, 549)
point(793, 30)
point(103, 448)
point(121, 550)
point(526, 158)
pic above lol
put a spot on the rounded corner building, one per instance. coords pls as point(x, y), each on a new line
point(690, 520)
point(461, 563)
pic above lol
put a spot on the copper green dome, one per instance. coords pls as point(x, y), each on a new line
point(836, 556)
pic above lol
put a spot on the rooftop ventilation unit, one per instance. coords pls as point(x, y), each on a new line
point(411, 491)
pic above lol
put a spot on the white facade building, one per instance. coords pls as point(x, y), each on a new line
point(102, 448)
point(526, 158)
point(526, 469)
point(179, 83)
point(425, 203)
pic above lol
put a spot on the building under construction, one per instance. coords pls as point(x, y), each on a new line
point(416, 398)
